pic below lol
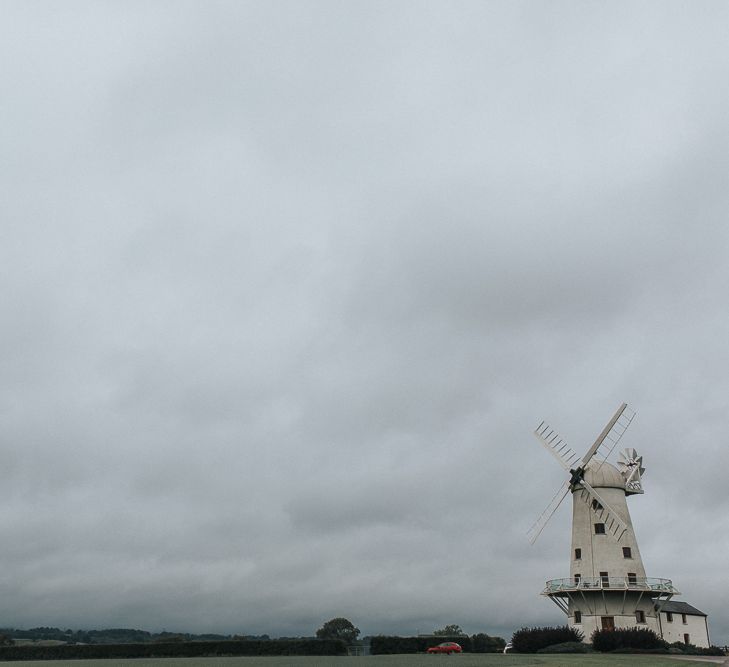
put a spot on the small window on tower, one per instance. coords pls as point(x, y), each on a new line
point(605, 579)
point(684, 620)
point(669, 617)
point(578, 616)
point(577, 579)
point(599, 529)
point(632, 579)
point(578, 554)
point(596, 505)
point(640, 616)
point(627, 553)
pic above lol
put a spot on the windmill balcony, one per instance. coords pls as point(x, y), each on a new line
point(643, 584)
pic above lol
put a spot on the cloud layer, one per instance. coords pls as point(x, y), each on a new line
point(286, 286)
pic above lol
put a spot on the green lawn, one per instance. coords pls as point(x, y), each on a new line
point(465, 660)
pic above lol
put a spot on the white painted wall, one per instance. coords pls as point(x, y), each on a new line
point(695, 627)
point(595, 605)
point(603, 553)
point(591, 623)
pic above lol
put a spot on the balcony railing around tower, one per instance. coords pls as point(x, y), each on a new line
point(642, 584)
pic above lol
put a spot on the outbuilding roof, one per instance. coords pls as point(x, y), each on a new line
point(681, 608)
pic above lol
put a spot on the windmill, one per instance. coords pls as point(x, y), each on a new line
point(607, 586)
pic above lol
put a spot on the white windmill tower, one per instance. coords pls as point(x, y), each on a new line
point(607, 587)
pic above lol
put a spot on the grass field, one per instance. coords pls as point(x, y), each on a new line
point(465, 660)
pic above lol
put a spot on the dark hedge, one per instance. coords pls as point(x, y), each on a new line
point(691, 649)
point(530, 640)
point(567, 647)
point(480, 643)
point(388, 645)
point(627, 638)
point(483, 643)
point(176, 650)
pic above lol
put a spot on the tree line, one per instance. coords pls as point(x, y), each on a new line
point(344, 630)
point(330, 638)
point(115, 636)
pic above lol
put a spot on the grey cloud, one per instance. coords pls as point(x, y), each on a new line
point(286, 288)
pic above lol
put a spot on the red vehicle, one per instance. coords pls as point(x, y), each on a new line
point(447, 648)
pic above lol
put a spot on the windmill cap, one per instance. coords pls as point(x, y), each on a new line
point(599, 474)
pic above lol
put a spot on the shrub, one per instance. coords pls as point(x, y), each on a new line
point(483, 643)
point(627, 638)
point(567, 647)
point(691, 649)
point(530, 640)
point(387, 645)
point(649, 651)
point(682, 647)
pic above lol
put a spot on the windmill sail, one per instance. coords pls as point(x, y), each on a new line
point(571, 462)
point(556, 446)
point(535, 531)
point(610, 436)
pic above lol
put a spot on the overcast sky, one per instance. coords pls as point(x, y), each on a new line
point(286, 287)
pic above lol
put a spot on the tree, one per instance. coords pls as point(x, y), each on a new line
point(338, 628)
point(482, 643)
point(449, 631)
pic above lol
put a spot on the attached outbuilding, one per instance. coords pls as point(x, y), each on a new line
point(680, 622)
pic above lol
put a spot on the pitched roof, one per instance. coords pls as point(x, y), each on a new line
point(681, 608)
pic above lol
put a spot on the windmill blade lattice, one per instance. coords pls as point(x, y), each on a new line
point(536, 530)
point(566, 456)
point(576, 467)
point(614, 434)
